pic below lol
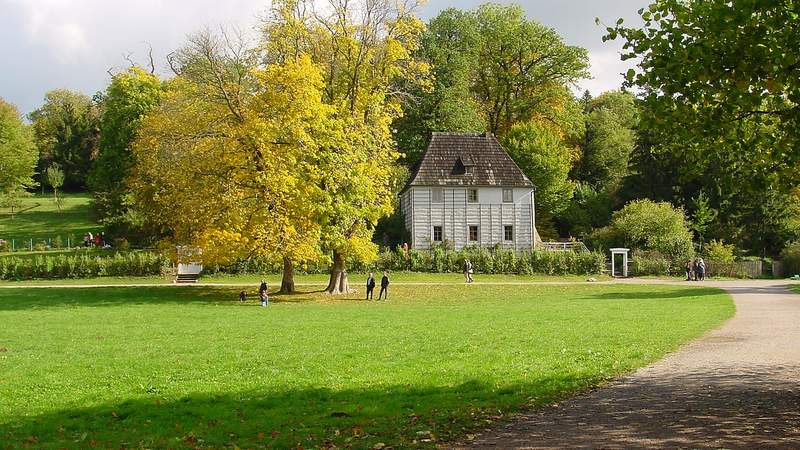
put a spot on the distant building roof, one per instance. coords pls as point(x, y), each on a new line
point(466, 159)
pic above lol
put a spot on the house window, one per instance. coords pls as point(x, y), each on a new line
point(508, 232)
point(508, 196)
point(472, 195)
point(437, 195)
point(469, 170)
point(437, 233)
point(473, 233)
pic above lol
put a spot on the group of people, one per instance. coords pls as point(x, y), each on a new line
point(94, 240)
point(384, 292)
point(262, 294)
point(696, 270)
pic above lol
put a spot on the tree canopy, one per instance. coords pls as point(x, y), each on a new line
point(18, 155)
point(66, 133)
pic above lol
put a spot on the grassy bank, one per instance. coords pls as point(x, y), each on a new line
point(40, 219)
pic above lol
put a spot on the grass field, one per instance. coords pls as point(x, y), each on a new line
point(39, 219)
point(159, 367)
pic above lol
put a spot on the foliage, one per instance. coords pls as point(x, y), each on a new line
point(719, 251)
point(129, 97)
point(239, 180)
point(790, 257)
point(55, 179)
point(654, 226)
point(611, 122)
point(44, 266)
point(523, 68)
point(493, 68)
point(17, 157)
point(155, 359)
point(541, 153)
point(720, 102)
point(588, 210)
point(652, 263)
point(450, 45)
point(702, 216)
point(66, 132)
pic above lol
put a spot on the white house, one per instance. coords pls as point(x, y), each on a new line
point(468, 191)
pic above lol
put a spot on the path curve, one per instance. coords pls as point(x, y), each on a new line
point(737, 387)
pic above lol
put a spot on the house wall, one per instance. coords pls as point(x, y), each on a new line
point(455, 214)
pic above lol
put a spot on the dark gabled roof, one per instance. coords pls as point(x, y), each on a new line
point(448, 156)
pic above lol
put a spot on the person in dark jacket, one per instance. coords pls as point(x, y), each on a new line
point(370, 286)
point(384, 286)
point(262, 288)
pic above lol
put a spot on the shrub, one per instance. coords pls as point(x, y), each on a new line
point(82, 266)
point(790, 256)
point(651, 263)
point(655, 226)
point(720, 252)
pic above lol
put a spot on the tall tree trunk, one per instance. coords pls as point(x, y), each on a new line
point(338, 282)
point(287, 282)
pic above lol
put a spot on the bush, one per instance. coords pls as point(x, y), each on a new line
point(651, 263)
point(790, 257)
point(720, 252)
point(82, 266)
point(654, 227)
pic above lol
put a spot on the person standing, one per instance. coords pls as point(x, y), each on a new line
point(689, 270)
point(242, 296)
point(384, 286)
point(370, 286)
point(701, 269)
point(262, 293)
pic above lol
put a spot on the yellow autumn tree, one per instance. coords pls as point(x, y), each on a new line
point(230, 163)
point(365, 52)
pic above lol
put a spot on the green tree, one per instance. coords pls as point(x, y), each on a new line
point(129, 97)
point(542, 155)
point(611, 123)
point(450, 45)
point(702, 216)
point(523, 68)
point(55, 179)
point(721, 106)
point(66, 132)
point(18, 156)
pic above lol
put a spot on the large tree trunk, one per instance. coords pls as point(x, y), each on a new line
point(338, 282)
point(287, 282)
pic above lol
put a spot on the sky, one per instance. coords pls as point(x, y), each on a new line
point(73, 44)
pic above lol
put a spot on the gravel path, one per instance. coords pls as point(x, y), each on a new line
point(737, 387)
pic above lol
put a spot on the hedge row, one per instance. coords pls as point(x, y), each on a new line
point(440, 260)
point(82, 266)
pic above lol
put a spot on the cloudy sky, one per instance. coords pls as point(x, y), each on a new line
point(48, 44)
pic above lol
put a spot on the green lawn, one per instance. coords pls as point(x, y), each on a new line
point(39, 219)
point(160, 367)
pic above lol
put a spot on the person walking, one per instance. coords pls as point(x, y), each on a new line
point(370, 286)
point(384, 286)
point(468, 271)
point(689, 270)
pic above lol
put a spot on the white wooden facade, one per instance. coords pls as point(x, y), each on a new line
point(453, 214)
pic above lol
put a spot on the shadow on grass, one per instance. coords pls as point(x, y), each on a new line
point(32, 298)
point(312, 418)
point(656, 294)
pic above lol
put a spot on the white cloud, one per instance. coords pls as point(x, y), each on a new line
point(606, 68)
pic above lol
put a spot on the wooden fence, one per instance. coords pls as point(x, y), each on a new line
point(738, 269)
